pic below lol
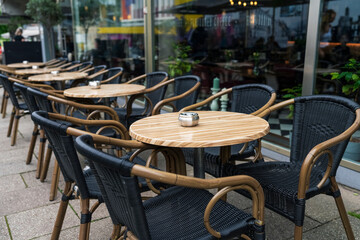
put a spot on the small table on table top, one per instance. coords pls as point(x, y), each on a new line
point(25, 65)
point(215, 129)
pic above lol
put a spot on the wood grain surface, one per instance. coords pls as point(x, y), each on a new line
point(35, 71)
point(215, 129)
point(22, 65)
point(106, 90)
point(60, 77)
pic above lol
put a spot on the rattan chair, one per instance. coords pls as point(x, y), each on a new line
point(185, 93)
point(19, 109)
point(60, 134)
point(154, 93)
point(322, 127)
point(185, 211)
point(249, 99)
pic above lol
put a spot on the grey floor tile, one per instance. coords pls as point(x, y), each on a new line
point(11, 183)
point(99, 230)
point(323, 208)
point(23, 200)
point(4, 232)
point(333, 230)
point(38, 222)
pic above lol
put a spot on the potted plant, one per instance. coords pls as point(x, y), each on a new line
point(48, 14)
point(292, 93)
point(180, 64)
point(349, 78)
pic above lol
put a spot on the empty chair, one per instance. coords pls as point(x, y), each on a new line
point(154, 93)
point(247, 98)
point(322, 127)
point(185, 93)
point(186, 212)
point(80, 182)
point(19, 109)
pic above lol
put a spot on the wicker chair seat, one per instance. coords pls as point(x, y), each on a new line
point(279, 181)
point(178, 214)
point(136, 114)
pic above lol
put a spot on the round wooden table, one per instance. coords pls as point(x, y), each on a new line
point(105, 91)
point(32, 71)
point(60, 77)
point(27, 65)
point(215, 129)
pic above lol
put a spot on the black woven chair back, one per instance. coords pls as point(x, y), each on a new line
point(97, 69)
point(64, 150)
point(317, 119)
point(153, 79)
point(9, 87)
point(85, 64)
point(41, 99)
point(249, 98)
point(29, 99)
point(112, 72)
point(120, 190)
point(183, 84)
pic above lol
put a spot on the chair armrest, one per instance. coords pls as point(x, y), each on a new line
point(317, 151)
point(111, 78)
point(206, 101)
point(92, 76)
point(136, 79)
point(160, 104)
point(99, 108)
point(87, 70)
point(82, 122)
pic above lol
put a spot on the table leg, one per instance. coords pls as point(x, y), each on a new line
point(199, 169)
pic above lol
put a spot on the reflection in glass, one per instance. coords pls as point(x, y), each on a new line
point(252, 44)
point(110, 32)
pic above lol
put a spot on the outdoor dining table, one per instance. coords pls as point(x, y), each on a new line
point(25, 65)
point(37, 71)
point(105, 91)
point(60, 78)
point(215, 129)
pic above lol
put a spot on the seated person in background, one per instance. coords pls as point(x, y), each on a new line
point(18, 35)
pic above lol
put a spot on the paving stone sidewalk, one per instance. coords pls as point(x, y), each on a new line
point(27, 213)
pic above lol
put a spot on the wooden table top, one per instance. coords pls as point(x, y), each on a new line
point(27, 65)
point(35, 71)
point(106, 90)
point(60, 77)
point(215, 129)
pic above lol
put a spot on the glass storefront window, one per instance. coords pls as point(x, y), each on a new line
point(256, 43)
point(110, 32)
point(339, 42)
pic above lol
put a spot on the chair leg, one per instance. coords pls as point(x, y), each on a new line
point(41, 153)
point(298, 232)
point(3, 110)
point(46, 163)
point(61, 212)
point(15, 127)
point(54, 181)
point(116, 232)
point(3, 101)
point(85, 219)
point(32, 144)
point(341, 208)
point(11, 122)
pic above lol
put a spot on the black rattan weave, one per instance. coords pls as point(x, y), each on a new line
point(246, 98)
point(177, 213)
point(316, 119)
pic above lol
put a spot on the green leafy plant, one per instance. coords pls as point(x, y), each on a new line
point(180, 63)
point(49, 14)
point(292, 93)
point(349, 78)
